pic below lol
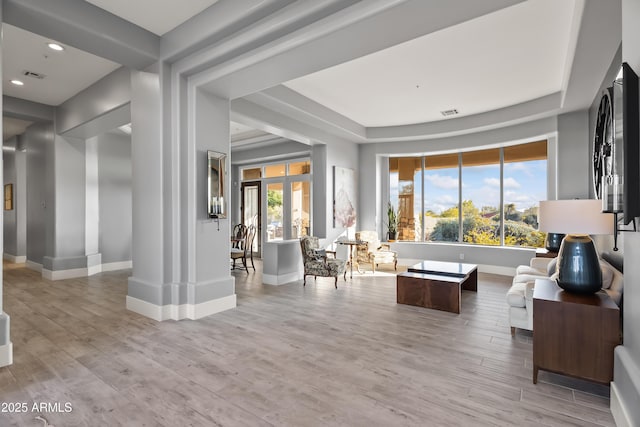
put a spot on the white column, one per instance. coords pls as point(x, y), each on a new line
point(180, 255)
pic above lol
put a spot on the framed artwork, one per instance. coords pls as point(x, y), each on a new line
point(8, 197)
point(344, 197)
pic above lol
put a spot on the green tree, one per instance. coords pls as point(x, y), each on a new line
point(450, 213)
point(274, 198)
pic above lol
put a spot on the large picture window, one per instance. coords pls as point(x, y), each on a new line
point(441, 187)
point(487, 197)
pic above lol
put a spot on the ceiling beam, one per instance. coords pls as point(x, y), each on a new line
point(26, 110)
point(84, 26)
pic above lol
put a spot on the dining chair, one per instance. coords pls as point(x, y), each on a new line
point(245, 250)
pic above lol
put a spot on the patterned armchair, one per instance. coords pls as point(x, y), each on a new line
point(316, 262)
point(373, 252)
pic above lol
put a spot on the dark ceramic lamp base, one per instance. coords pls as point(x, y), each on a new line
point(553, 241)
point(578, 265)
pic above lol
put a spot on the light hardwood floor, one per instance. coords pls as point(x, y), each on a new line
point(286, 356)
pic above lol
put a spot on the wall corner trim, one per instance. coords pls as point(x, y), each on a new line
point(6, 354)
point(281, 279)
point(16, 259)
point(181, 311)
point(625, 388)
point(34, 266)
point(619, 412)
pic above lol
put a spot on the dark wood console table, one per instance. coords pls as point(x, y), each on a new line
point(574, 334)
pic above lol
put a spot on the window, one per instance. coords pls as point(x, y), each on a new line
point(251, 174)
point(285, 205)
point(494, 192)
point(441, 185)
point(274, 171)
point(481, 197)
point(300, 168)
point(525, 184)
point(300, 207)
point(407, 173)
point(274, 211)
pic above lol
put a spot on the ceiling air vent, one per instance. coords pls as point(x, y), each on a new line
point(33, 74)
point(448, 113)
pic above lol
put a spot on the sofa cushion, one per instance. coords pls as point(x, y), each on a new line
point(526, 269)
point(551, 267)
point(515, 295)
point(523, 278)
point(607, 275)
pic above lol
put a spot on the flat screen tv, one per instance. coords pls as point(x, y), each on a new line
point(630, 143)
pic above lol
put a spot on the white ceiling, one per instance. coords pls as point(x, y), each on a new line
point(67, 72)
point(157, 16)
point(500, 59)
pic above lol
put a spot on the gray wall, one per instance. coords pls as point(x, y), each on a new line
point(625, 390)
point(69, 172)
point(38, 141)
point(10, 218)
point(346, 156)
point(573, 154)
point(114, 178)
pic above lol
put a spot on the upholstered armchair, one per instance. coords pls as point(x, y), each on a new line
point(373, 252)
point(316, 263)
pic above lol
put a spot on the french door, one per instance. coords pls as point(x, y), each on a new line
point(251, 212)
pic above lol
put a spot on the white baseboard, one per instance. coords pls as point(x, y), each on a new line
point(16, 259)
point(65, 274)
point(94, 269)
point(620, 414)
point(281, 279)
point(182, 311)
point(34, 266)
point(113, 266)
point(81, 272)
point(6, 355)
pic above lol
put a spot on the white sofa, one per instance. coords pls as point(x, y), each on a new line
point(520, 295)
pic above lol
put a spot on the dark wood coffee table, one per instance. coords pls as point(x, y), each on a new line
point(436, 284)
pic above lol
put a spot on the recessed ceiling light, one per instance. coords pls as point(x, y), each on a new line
point(17, 82)
point(55, 46)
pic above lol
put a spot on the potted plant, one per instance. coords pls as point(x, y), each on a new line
point(392, 223)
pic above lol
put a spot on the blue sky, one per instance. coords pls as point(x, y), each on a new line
point(525, 185)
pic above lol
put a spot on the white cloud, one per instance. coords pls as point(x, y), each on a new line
point(508, 182)
point(518, 167)
point(442, 181)
point(511, 183)
point(493, 182)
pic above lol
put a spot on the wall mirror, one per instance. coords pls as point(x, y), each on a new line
point(216, 182)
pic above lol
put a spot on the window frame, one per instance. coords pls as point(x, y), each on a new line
point(550, 146)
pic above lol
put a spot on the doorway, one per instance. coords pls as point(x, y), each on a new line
point(250, 211)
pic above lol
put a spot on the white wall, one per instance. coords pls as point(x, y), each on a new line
point(625, 389)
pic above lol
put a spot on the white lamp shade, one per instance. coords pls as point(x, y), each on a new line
point(574, 217)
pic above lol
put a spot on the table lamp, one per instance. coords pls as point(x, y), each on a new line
point(578, 265)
